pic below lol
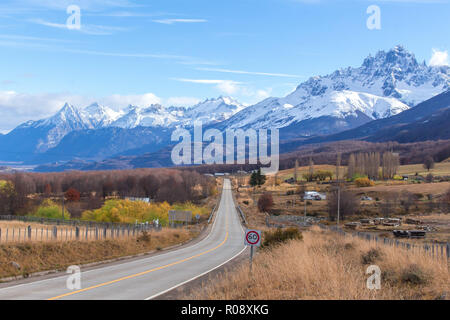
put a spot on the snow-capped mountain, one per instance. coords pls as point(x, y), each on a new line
point(208, 111)
point(384, 85)
point(99, 116)
point(34, 137)
point(213, 110)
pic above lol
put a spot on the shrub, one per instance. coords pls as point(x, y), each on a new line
point(364, 182)
point(49, 209)
point(414, 275)
point(72, 194)
point(370, 256)
point(272, 238)
point(126, 211)
point(265, 202)
point(144, 236)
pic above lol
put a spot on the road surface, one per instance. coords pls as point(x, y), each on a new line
point(149, 277)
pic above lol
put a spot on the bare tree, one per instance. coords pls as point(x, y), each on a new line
point(296, 171)
point(348, 204)
point(338, 165)
point(407, 200)
point(351, 168)
point(428, 163)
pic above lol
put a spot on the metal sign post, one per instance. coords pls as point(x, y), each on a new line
point(252, 238)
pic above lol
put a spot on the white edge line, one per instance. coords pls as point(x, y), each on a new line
point(202, 274)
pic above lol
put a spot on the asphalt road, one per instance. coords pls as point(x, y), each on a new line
point(148, 277)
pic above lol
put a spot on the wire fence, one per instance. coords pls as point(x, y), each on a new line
point(63, 222)
point(438, 251)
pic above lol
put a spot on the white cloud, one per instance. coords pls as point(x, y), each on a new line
point(181, 101)
point(225, 86)
point(250, 72)
point(84, 4)
point(439, 58)
point(173, 21)
point(240, 90)
point(117, 101)
point(87, 29)
point(16, 108)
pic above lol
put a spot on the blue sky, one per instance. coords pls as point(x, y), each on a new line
point(179, 52)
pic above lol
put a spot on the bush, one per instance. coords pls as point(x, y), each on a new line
point(414, 275)
point(265, 202)
point(72, 194)
point(49, 209)
point(364, 182)
point(272, 238)
point(126, 211)
point(371, 256)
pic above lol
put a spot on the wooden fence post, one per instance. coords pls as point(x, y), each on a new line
point(77, 232)
point(448, 250)
point(55, 232)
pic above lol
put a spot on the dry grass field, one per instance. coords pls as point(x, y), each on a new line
point(326, 266)
point(35, 256)
point(440, 169)
point(437, 188)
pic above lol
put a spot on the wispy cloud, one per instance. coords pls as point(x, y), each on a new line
point(251, 72)
point(173, 21)
point(84, 4)
point(225, 86)
point(87, 29)
point(40, 43)
point(231, 87)
point(30, 38)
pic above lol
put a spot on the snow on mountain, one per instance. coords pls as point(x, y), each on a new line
point(208, 111)
point(213, 110)
point(152, 116)
point(47, 133)
point(384, 85)
point(100, 116)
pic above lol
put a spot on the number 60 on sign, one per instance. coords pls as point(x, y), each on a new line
point(253, 238)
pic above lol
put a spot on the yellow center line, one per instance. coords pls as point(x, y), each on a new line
point(146, 272)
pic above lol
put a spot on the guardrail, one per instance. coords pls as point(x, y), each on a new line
point(242, 214)
point(219, 198)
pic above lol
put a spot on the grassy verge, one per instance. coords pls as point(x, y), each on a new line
point(325, 266)
point(41, 256)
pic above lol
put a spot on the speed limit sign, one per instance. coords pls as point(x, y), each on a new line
point(253, 238)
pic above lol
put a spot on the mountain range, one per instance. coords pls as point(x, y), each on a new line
point(322, 108)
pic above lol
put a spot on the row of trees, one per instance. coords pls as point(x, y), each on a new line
point(158, 184)
point(368, 164)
